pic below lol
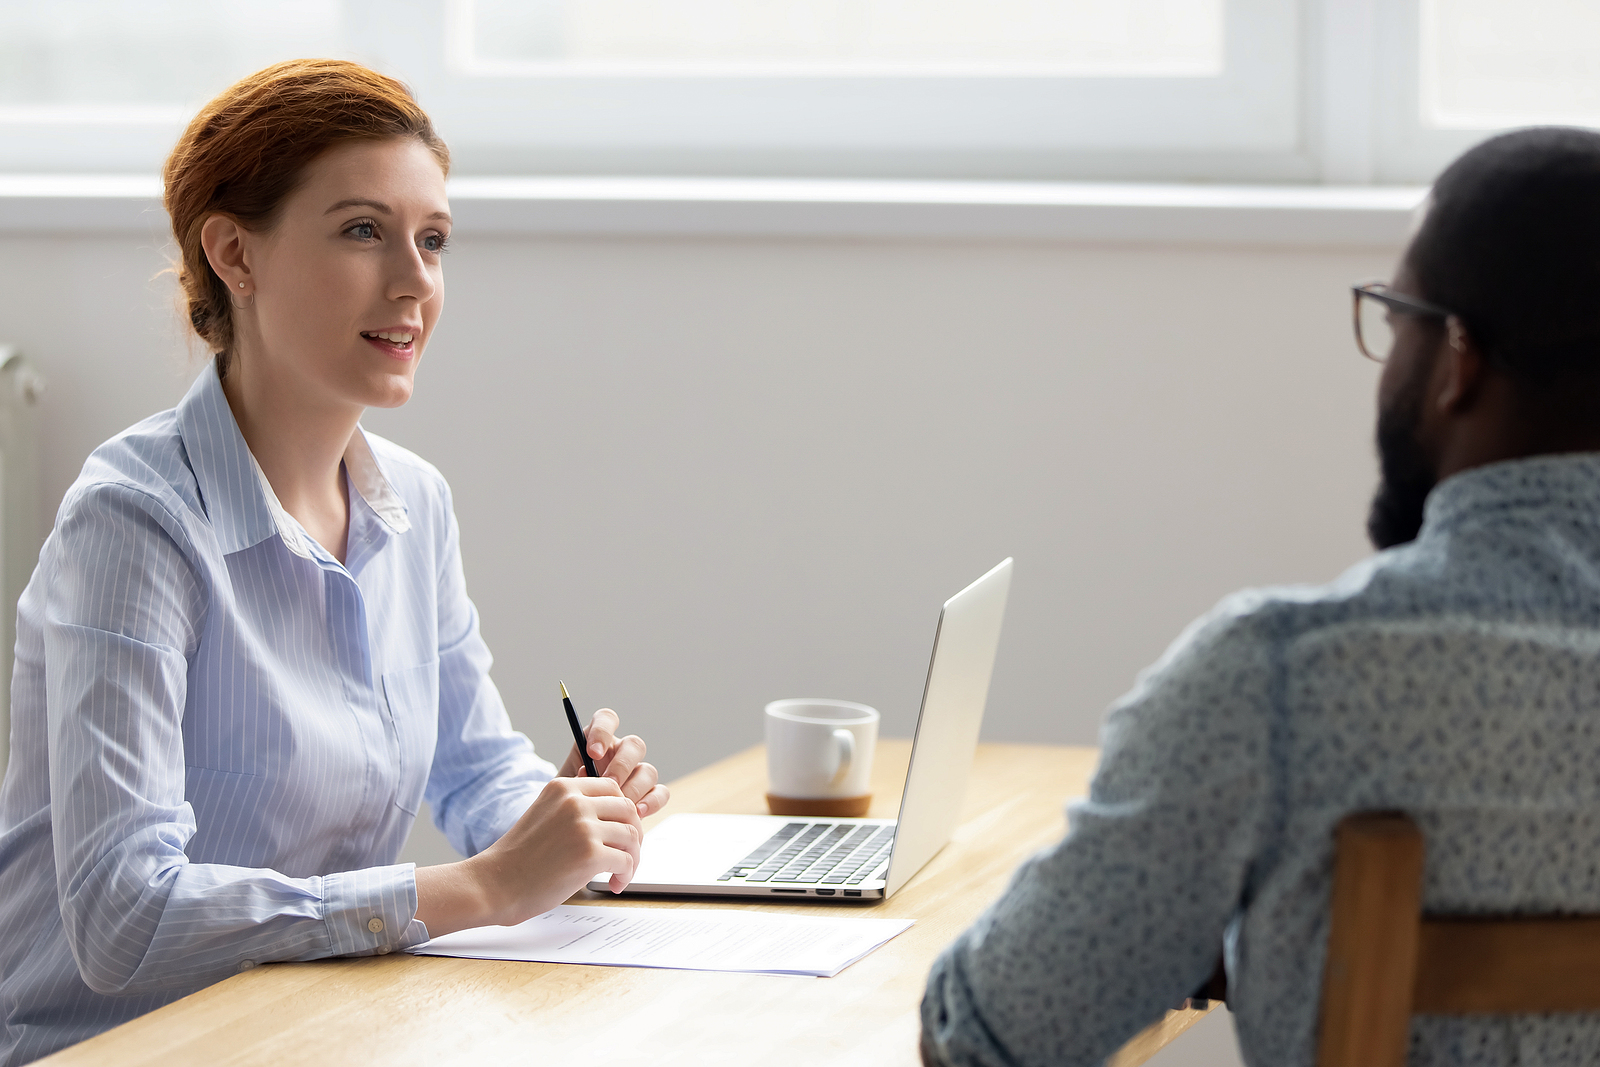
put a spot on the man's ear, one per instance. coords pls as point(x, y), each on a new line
point(1460, 367)
point(223, 241)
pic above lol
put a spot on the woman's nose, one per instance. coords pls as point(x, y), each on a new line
point(411, 277)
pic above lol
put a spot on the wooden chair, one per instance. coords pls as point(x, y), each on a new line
point(1387, 960)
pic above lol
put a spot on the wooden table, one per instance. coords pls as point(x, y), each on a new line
point(395, 1010)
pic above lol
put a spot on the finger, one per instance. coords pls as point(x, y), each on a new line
point(615, 810)
point(622, 840)
point(623, 759)
point(602, 732)
point(572, 766)
point(641, 781)
point(623, 836)
point(597, 787)
point(621, 865)
point(654, 800)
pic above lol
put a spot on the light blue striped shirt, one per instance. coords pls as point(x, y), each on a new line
point(221, 736)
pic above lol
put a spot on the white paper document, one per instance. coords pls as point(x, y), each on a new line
point(693, 939)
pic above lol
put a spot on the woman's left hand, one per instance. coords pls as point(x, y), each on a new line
point(620, 759)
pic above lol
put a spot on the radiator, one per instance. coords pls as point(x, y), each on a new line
point(21, 531)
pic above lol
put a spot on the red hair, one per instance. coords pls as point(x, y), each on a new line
point(245, 151)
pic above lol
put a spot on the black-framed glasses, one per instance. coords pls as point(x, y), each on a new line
point(1375, 306)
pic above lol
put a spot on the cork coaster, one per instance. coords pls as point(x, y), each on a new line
point(827, 807)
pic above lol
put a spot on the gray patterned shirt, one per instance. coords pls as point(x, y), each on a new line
point(1456, 678)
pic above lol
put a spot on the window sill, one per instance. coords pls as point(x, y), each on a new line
point(1309, 215)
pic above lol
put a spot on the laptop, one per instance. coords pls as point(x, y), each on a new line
point(783, 857)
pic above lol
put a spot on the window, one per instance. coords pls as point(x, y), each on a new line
point(98, 85)
point(1213, 90)
point(1487, 63)
point(1452, 71)
point(85, 54)
point(863, 87)
point(1160, 38)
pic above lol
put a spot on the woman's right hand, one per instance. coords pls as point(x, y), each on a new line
point(575, 828)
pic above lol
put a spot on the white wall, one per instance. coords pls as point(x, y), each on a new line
point(695, 475)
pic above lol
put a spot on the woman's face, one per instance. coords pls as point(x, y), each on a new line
point(348, 285)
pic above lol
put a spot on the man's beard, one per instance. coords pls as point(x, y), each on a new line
point(1406, 475)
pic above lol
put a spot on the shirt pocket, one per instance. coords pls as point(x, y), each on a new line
point(411, 698)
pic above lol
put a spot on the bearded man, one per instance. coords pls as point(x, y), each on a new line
point(1454, 675)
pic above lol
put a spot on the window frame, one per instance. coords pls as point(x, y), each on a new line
point(1403, 145)
point(1036, 126)
point(1307, 95)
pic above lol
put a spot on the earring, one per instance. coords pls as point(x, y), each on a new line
point(241, 285)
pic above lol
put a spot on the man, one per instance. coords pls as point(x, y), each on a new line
point(1455, 675)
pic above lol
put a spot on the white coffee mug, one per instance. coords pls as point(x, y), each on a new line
point(820, 749)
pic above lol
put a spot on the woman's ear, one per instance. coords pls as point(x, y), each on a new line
point(1461, 367)
point(223, 241)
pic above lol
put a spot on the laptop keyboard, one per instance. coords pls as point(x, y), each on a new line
point(817, 854)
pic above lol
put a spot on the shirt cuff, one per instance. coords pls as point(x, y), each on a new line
point(372, 912)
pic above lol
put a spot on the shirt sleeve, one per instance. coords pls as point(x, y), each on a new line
point(484, 774)
point(120, 622)
point(1097, 936)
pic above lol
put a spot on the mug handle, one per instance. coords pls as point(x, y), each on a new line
point(847, 754)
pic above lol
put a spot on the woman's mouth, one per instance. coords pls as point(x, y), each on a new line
point(396, 343)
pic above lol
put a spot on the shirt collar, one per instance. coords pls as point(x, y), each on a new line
point(243, 509)
point(1567, 484)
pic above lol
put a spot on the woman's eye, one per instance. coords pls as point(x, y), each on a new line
point(363, 231)
point(435, 242)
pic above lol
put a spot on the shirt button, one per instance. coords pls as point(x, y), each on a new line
point(247, 965)
point(383, 950)
point(375, 924)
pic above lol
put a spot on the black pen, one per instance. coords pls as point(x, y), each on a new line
point(577, 732)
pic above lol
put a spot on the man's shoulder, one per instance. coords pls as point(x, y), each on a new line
point(1390, 584)
point(1251, 632)
point(1213, 698)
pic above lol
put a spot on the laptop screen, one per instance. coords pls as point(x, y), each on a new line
point(953, 700)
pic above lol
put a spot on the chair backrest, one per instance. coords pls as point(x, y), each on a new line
point(1387, 960)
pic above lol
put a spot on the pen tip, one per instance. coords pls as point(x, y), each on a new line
point(564, 691)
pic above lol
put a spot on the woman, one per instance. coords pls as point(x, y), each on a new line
point(247, 654)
